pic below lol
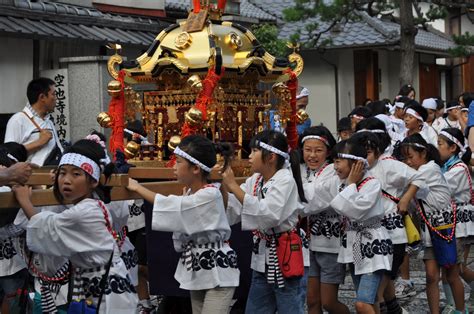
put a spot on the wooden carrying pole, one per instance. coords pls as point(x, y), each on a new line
point(118, 182)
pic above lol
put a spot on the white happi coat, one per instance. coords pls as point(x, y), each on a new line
point(443, 123)
point(10, 261)
point(200, 231)
point(437, 204)
point(361, 206)
point(275, 213)
point(120, 211)
point(395, 177)
point(458, 180)
point(79, 234)
point(327, 223)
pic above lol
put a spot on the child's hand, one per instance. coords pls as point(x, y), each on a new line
point(133, 185)
point(403, 207)
point(22, 192)
point(357, 172)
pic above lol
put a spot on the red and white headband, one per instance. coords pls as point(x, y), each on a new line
point(315, 137)
point(415, 114)
point(353, 157)
point(85, 163)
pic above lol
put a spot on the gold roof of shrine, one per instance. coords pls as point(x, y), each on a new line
point(195, 45)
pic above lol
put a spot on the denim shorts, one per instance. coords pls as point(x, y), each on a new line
point(326, 267)
point(367, 285)
point(265, 298)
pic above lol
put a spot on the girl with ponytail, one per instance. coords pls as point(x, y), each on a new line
point(268, 203)
point(201, 231)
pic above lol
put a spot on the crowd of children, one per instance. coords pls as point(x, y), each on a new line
point(315, 212)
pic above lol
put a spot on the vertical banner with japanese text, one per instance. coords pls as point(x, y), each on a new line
point(60, 116)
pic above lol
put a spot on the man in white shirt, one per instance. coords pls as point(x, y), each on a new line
point(33, 126)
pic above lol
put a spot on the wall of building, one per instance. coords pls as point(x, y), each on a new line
point(16, 66)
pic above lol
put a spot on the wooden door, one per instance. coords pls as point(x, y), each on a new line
point(428, 81)
point(366, 72)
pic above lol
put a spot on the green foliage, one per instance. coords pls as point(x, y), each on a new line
point(464, 43)
point(267, 35)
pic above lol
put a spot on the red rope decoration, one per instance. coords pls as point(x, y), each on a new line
point(116, 112)
point(291, 132)
point(204, 98)
point(197, 6)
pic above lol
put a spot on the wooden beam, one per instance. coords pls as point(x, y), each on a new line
point(43, 178)
point(161, 173)
point(46, 197)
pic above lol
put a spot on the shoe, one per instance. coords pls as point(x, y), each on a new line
point(404, 289)
point(404, 311)
point(145, 310)
point(449, 309)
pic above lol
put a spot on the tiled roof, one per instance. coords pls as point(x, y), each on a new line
point(366, 32)
point(247, 9)
point(44, 19)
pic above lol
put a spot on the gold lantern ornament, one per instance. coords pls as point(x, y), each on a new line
point(302, 116)
point(104, 120)
point(114, 88)
point(195, 82)
point(174, 141)
point(193, 117)
point(132, 149)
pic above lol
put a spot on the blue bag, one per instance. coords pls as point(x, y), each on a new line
point(81, 307)
point(444, 247)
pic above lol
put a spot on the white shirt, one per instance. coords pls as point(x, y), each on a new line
point(458, 180)
point(20, 129)
point(328, 223)
point(276, 213)
point(443, 123)
point(429, 134)
point(437, 204)
point(198, 222)
point(395, 177)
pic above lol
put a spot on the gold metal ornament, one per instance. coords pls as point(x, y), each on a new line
point(174, 141)
point(183, 40)
point(193, 116)
point(296, 58)
point(114, 60)
point(132, 149)
point(104, 120)
point(302, 116)
point(113, 88)
point(233, 40)
point(195, 82)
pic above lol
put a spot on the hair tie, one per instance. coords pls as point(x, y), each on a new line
point(95, 138)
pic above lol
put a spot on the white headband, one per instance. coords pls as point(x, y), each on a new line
point(88, 165)
point(274, 150)
point(462, 148)
point(453, 107)
point(415, 144)
point(415, 114)
point(12, 157)
point(399, 104)
point(179, 152)
point(315, 137)
point(465, 109)
point(353, 157)
point(372, 131)
point(358, 117)
point(429, 103)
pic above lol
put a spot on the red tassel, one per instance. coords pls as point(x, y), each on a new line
point(197, 6)
point(204, 98)
point(291, 131)
point(116, 112)
point(221, 5)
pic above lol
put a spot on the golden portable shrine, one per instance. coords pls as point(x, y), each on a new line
point(201, 76)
